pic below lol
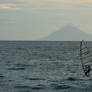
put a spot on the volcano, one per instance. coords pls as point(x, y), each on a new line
point(68, 33)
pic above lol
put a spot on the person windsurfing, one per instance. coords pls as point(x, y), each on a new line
point(84, 52)
point(87, 70)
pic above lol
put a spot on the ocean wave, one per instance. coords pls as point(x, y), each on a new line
point(34, 78)
point(59, 86)
point(16, 68)
point(35, 87)
point(72, 79)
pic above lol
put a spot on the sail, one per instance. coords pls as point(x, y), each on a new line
point(85, 57)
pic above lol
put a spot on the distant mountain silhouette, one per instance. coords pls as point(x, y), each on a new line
point(68, 33)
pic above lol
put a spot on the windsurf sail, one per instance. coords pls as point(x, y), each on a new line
point(85, 58)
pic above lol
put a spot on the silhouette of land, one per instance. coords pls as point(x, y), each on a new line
point(68, 33)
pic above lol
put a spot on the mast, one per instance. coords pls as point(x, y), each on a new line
point(81, 56)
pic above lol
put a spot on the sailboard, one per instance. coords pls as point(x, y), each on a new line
point(85, 58)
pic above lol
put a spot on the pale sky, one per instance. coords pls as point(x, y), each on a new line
point(33, 19)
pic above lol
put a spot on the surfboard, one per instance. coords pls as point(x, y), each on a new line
point(85, 58)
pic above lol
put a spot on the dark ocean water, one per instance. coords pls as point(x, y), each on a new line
point(34, 66)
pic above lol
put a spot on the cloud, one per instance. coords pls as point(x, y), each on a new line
point(56, 1)
point(9, 6)
point(35, 2)
point(71, 1)
point(42, 5)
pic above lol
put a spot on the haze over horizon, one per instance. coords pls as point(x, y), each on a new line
point(35, 19)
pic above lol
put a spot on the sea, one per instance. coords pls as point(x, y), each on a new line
point(42, 66)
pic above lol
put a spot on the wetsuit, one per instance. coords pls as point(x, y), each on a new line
point(87, 70)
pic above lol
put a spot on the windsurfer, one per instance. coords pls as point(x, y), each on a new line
point(87, 70)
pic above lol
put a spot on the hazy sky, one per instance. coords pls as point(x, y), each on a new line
point(33, 19)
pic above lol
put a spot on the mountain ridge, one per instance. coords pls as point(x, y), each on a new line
point(68, 33)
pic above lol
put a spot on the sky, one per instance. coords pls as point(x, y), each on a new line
point(35, 19)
